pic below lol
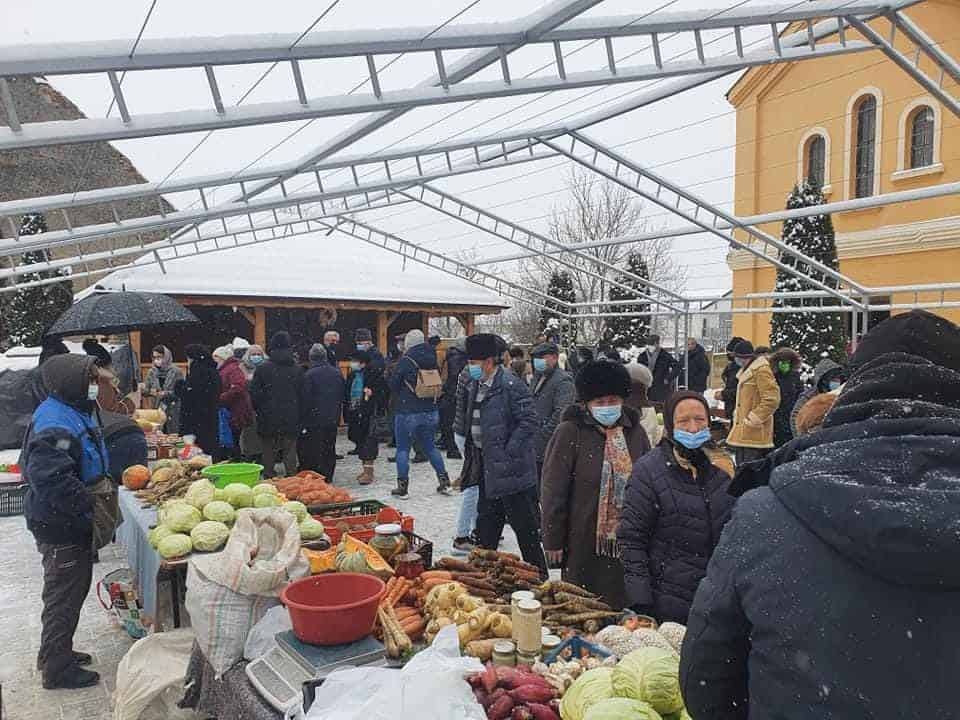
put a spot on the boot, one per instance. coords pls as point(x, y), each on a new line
point(73, 677)
point(402, 490)
point(366, 477)
point(419, 457)
point(443, 483)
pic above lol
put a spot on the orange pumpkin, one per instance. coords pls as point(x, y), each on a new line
point(136, 477)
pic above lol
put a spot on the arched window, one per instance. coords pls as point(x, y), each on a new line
point(921, 137)
point(865, 145)
point(816, 159)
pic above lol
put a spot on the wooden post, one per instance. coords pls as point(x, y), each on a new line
point(260, 327)
point(383, 323)
point(425, 323)
point(470, 327)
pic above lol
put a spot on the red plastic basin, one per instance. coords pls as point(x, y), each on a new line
point(333, 609)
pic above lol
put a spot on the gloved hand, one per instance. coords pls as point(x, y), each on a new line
point(461, 443)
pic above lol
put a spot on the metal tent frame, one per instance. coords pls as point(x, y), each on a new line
point(290, 199)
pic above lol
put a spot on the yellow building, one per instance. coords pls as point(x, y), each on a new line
point(861, 126)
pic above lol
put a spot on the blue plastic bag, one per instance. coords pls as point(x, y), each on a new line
point(226, 433)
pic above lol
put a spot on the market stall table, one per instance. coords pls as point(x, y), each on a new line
point(231, 696)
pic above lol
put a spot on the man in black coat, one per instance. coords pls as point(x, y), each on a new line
point(276, 391)
point(833, 592)
point(199, 397)
point(699, 364)
point(323, 392)
point(455, 362)
point(664, 367)
point(728, 395)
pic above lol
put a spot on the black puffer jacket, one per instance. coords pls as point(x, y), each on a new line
point(276, 391)
point(670, 525)
point(791, 385)
point(835, 589)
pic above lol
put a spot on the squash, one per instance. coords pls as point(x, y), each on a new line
point(356, 556)
point(136, 477)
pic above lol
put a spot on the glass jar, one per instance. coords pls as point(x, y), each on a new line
point(549, 644)
point(515, 599)
point(504, 653)
point(528, 627)
point(527, 659)
point(388, 541)
point(408, 565)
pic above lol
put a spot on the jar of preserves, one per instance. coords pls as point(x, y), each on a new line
point(526, 658)
point(528, 627)
point(549, 644)
point(388, 541)
point(515, 599)
point(408, 565)
point(504, 653)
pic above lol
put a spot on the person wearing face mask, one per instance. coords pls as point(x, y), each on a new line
point(161, 384)
point(827, 377)
point(498, 425)
point(70, 508)
point(363, 389)
point(676, 505)
point(250, 445)
point(587, 465)
point(728, 394)
point(664, 367)
point(786, 369)
point(758, 397)
point(199, 395)
point(553, 392)
point(331, 338)
point(277, 394)
point(235, 399)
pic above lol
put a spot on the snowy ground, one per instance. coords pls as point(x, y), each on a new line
point(99, 634)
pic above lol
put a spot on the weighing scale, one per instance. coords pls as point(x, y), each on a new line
point(279, 675)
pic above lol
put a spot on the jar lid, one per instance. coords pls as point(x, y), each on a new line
point(551, 641)
point(388, 529)
point(504, 647)
point(521, 595)
point(529, 605)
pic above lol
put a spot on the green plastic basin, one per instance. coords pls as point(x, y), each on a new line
point(223, 475)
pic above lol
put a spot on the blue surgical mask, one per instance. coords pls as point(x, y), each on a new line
point(691, 440)
point(606, 414)
point(476, 372)
point(93, 391)
point(361, 347)
point(539, 365)
point(354, 366)
point(256, 359)
point(834, 384)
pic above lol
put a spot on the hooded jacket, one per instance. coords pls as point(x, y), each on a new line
point(64, 455)
point(276, 391)
point(834, 590)
point(403, 379)
point(234, 395)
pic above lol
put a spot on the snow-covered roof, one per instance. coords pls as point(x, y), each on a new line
point(314, 267)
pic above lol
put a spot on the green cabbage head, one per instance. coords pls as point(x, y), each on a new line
point(266, 500)
point(158, 534)
point(268, 488)
point(621, 709)
point(181, 517)
point(200, 493)
point(238, 495)
point(174, 546)
point(220, 494)
point(220, 511)
point(311, 529)
point(295, 507)
point(209, 535)
point(591, 687)
point(650, 674)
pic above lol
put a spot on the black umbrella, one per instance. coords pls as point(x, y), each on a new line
point(112, 313)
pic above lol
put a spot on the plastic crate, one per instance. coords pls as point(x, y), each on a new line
point(12, 499)
point(357, 518)
point(575, 647)
point(420, 546)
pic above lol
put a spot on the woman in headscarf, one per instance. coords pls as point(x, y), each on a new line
point(676, 505)
point(161, 383)
point(200, 394)
point(585, 473)
point(250, 446)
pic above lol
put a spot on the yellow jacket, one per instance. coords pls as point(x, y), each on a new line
point(758, 397)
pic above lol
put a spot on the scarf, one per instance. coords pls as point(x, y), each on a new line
point(617, 466)
point(699, 460)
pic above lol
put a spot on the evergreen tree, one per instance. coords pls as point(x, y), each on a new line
point(33, 310)
point(561, 288)
point(625, 332)
point(815, 335)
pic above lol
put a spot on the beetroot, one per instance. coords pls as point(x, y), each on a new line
point(500, 710)
point(482, 696)
point(489, 678)
point(533, 694)
point(542, 712)
point(511, 678)
point(475, 680)
point(520, 712)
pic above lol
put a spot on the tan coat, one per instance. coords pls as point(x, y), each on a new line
point(758, 397)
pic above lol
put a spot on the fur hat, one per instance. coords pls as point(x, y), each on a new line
point(640, 373)
point(224, 352)
point(280, 341)
point(362, 335)
point(734, 341)
point(744, 348)
point(602, 377)
point(484, 345)
point(412, 339)
point(917, 332)
point(239, 344)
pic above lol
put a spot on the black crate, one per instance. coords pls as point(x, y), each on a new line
point(347, 509)
point(420, 546)
point(12, 499)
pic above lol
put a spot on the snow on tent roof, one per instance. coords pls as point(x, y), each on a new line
point(306, 267)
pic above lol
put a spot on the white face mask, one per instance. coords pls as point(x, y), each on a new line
point(651, 349)
point(93, 391)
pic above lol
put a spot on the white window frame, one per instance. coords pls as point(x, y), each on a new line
point(849, 159)
point(802, 157)
point(904, 135)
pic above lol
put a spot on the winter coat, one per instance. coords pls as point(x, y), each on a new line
point(364, 409)
point(323, 393)
point(834, 591)
point(403, 380)
point(234, 396)
point(455, 363)
point(665, 375)
point(553, 393)
point(729, 392)
point(791, 385)
point(699, 373)
point(199, 396)
point(570, 494)
point(822, 374)
point(758, 397)
point(63, 456)
point(276, 391)
point(671, 523)
point(509, 426)
point(165, 381)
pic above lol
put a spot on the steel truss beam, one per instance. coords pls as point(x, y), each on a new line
point(672, 197)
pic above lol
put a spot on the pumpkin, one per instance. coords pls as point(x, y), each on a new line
point(136, 477)
point(358, 557)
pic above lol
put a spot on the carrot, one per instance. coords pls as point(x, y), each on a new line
point(433, 582)
point(402, 586)
point(413, 627)
point(454, 564)
point(396, 589)
point(405, 611)
point(442, 574)
point(386, 594)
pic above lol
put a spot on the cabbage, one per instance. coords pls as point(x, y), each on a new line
point(651, 674)
point(265, 499)
point(220, 511)
point(174, 546)
point(181, 517)
point(200, 493)
point(164, 509)
point(238, 495)
point(591, 687)
point(158, 534)
point(311, 529)
point(295, 507)
point(265, 488)
point(220, 494)
point(209, 535)
point(621, 709)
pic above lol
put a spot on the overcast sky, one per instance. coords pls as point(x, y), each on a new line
point(688, 138)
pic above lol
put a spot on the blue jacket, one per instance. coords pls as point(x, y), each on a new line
point(323, 391)
point(509, 425)
point(404, 379)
